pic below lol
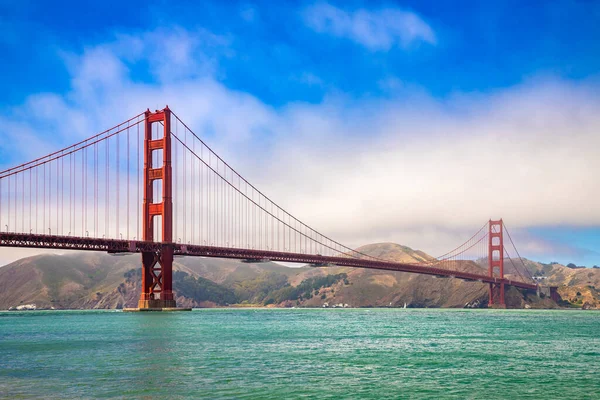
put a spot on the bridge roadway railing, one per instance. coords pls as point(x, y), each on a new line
point(114, 246)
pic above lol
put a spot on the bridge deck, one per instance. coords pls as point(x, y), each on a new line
point(8, 239)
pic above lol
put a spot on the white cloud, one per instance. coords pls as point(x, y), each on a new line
point(413, 169)
point(377, 30)
point(249, 13)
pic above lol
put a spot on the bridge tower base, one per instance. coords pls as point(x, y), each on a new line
point(157, 281)
point(554, 294)
point(496, 293)
point(496, 263)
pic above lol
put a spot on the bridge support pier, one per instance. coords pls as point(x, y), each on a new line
point(554, 294)
point(157, 283)
point(496, 295)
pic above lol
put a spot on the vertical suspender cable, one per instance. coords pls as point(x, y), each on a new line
point(57, 198)
point(30, 216)
point(23, 202)
point(193, 190)
point(128, 173)
point(44, 202)
point(118, 188)
point(139, 182)
point(201, 215)
point(83, 192)
point(106, 187)
point(95, 189)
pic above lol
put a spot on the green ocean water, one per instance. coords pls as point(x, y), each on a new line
point(301, 353)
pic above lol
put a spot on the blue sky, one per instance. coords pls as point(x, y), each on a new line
point(401, 82)
point(479, 46)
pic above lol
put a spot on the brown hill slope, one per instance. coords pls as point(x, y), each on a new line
point(61, 281)
point(395, 252)
point(576, 286)
point(97, 280)
point(374, 288)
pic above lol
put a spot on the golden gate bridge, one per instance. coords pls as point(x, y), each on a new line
point(150, 185)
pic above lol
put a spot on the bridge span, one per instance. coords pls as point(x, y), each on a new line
point(150, 185)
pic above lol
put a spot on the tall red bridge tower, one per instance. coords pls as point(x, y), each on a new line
point(157, 266)
point(496, 263)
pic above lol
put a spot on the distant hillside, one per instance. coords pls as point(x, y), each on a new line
point(576, 286)
point(98, 280)
point(70, 281)
point(395, 252)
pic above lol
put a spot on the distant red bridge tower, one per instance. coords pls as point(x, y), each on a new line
point(496, 261)
point(157, 266)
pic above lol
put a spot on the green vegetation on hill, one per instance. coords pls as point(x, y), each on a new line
point(267, 288)
point(197, 289)
point(200, 289)
point(305, 289)
point(257, 289)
